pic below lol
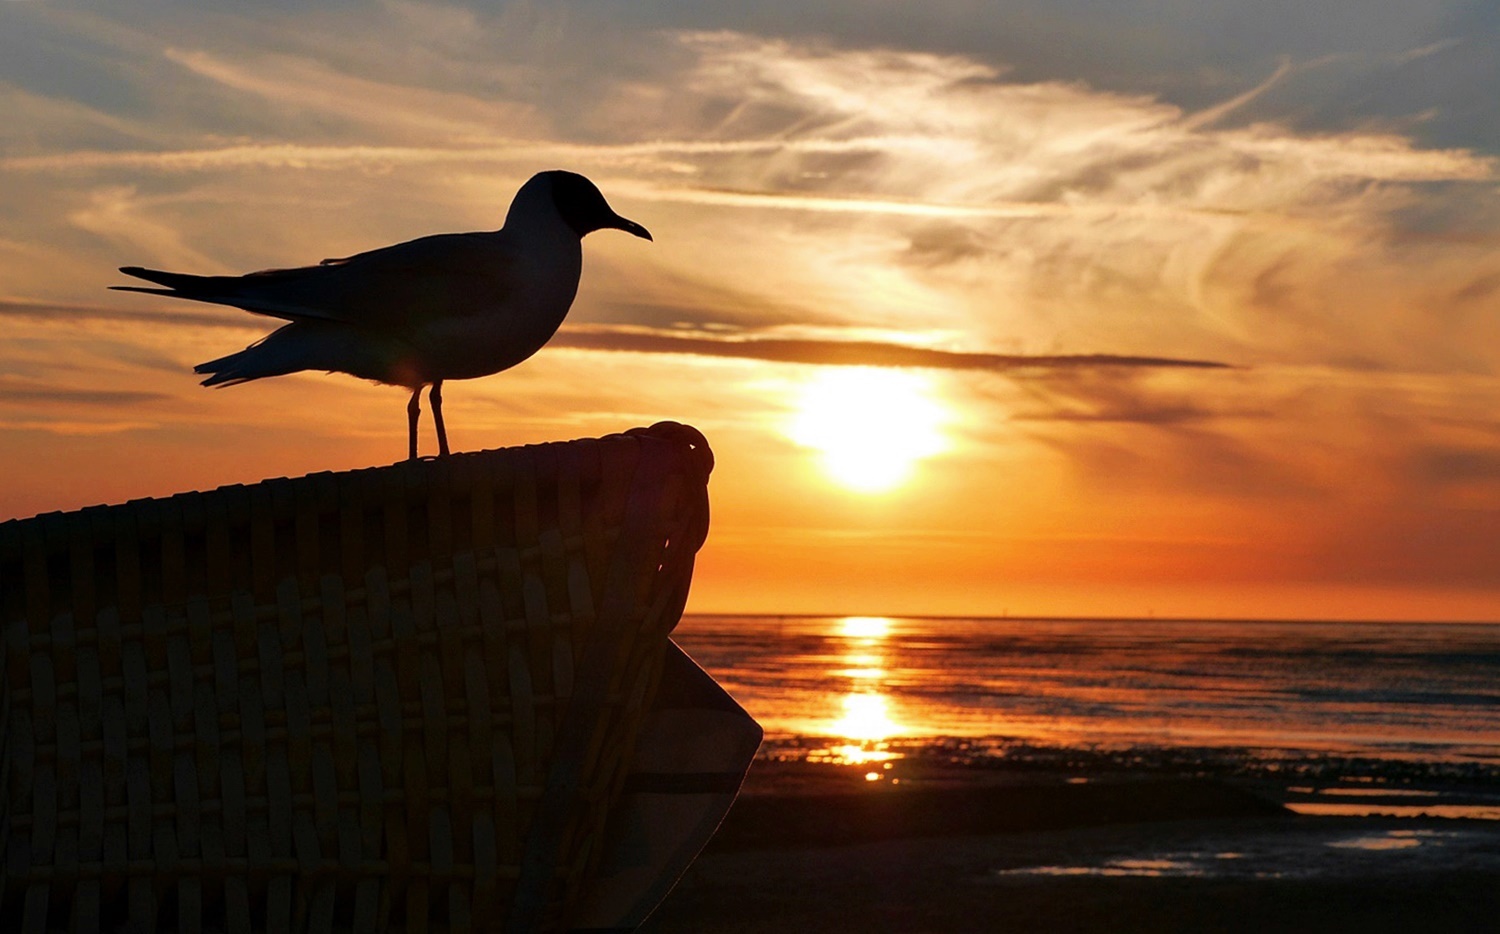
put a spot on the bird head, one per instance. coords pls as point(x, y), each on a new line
point(583, 207)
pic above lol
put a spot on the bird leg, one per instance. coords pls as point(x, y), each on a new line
point(413, 412)
point(436, 398)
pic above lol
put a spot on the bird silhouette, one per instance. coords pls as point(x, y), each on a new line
point(448, 306)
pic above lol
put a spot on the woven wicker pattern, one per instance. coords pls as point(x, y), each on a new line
point(391, 699)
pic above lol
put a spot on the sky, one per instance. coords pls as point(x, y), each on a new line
point(1063, 308)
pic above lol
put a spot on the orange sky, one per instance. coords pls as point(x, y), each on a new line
point(816, 196)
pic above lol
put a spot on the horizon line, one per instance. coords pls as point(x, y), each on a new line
point(1084, 618)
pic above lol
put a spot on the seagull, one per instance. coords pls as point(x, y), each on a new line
point(448, 306)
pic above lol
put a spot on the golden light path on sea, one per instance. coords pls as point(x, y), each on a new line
point(865, 717)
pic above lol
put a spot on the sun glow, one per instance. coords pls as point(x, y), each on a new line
point(871, 425)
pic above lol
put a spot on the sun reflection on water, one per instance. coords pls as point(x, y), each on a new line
point(853, 754)
point(863, 667)
point(865, 716)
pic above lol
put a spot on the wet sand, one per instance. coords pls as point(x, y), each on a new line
point(813, 848)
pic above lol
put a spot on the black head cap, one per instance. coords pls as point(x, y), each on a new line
point(584, 209)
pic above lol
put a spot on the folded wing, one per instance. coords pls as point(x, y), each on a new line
point(448, 275)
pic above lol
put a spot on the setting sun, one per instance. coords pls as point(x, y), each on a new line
point(865, 627)
point(871, 426)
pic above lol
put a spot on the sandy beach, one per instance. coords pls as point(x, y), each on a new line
point(819, 848)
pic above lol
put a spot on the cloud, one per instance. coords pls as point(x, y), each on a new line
point(1459, 465)
point(33, 393)
point(1431, 48)
point(846, 352)
point(78, 314)
point(1127, 218)
point(1191, 432)
point(1190, 54)
point(1219, 111)
point(308, 86)
point(1320, 475)
point(66, 428)
point(984, 137)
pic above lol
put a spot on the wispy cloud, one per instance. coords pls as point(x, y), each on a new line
point(1219, 111)
point(82, 314)
point(308, 85)
point(1423, 51)
point(32, 393)
point(70, 428)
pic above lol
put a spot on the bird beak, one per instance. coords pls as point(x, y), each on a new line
point(631, 227)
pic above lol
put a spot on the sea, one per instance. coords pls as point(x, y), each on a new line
point(1340, 718)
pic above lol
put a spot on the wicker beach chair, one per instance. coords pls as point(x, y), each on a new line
point(425, 697)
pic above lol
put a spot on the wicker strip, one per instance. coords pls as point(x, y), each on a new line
point(394, 699)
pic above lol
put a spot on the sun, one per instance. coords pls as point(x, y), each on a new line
point(871, 426)
point(865, 627)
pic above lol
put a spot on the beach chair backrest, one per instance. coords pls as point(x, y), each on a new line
point(401, 698)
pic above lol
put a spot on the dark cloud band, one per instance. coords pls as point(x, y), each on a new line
point(847, 353)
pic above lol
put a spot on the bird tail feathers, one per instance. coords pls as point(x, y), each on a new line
point(177, 283)
point(309, 345)
point(265, 357)
point(238, 367)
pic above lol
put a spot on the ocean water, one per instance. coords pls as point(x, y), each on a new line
point(1351, 717)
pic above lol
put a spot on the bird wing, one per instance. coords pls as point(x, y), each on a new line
point(446, 275)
